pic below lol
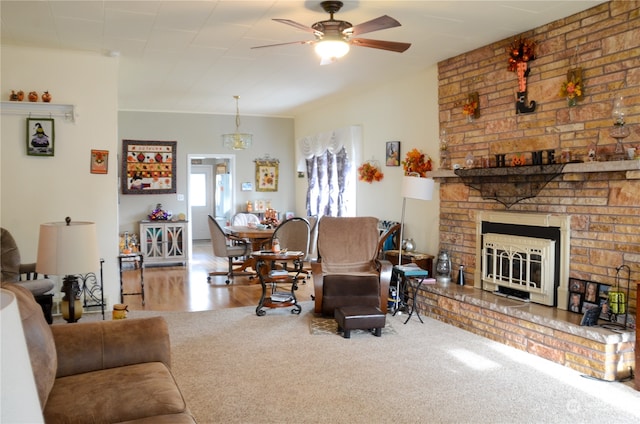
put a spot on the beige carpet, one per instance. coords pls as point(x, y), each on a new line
point(236, 367)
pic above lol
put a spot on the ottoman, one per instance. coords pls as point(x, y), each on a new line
point(359, 318)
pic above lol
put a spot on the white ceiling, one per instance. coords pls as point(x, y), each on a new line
point(194, 56)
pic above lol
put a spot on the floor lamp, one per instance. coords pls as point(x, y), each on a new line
point(68, 248)
point(414, 187)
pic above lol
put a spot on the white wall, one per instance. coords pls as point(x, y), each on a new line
point(201, 134)
point(404, 110)
point(45, 189)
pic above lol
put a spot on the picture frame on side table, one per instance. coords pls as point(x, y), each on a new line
point(99, 161)
point(148, 167)
point(40, 137)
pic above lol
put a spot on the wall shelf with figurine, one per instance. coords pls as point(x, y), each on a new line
point(37, 109)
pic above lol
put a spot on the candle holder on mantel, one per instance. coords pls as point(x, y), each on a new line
point(619, 130)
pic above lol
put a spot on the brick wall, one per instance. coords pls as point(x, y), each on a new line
point(605, 207)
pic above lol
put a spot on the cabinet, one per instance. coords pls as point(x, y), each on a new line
point(164, 242)
point(423, 260)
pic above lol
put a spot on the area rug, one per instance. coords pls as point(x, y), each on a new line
point(329, 326)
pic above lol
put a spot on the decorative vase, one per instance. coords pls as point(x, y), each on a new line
point(572, 101)
point(33, 96)
point(46, 97)
point(408, 245)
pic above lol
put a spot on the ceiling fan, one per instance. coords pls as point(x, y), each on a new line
point(333, 37)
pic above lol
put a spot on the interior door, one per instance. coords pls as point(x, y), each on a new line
point(201, 199)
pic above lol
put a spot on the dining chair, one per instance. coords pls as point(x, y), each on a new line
point(244, 219)
point(227, 246)
point(294, 235)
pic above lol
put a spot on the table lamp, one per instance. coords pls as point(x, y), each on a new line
point(68, 248)
point(414, 187)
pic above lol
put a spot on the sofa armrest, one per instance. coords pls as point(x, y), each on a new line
point(385, 267)
point(316, 271)
point(92, 346)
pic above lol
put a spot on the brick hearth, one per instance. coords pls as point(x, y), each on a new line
point(544, 331)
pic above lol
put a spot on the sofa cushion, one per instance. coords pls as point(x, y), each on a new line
point(115, 395)
point(40, 343)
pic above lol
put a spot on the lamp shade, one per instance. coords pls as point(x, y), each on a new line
point(20, 402)
point(67, 248)
point(417, 187)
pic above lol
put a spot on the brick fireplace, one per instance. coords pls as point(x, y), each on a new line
point(599, 201)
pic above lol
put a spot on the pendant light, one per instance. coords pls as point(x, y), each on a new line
point(237, 140)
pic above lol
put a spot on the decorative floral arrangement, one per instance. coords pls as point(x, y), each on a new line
point(572, 88)
point(158, 214)
point(470, 108)
point(369, 172)
point(521, 50)
point(418, 162)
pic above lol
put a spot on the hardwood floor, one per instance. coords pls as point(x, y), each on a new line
point(185, 288)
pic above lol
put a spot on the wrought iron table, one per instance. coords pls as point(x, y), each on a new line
point(272, 278)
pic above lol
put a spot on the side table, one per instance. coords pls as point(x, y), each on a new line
point(271, 276)
point(404, 276)
point(138, 263)
point(423, 260)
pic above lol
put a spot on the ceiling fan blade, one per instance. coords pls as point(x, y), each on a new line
point(284, 44)
point(296, 25)
point(383, 22)
point(393, 46)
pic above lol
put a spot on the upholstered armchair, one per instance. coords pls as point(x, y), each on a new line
point(347, 271)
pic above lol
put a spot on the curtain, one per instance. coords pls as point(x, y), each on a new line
point(328, 160)
point(327, 174)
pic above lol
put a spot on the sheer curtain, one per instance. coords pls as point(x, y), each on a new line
point(329, 161)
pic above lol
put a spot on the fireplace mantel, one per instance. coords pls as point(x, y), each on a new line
point(631, 166)
point(511, 184)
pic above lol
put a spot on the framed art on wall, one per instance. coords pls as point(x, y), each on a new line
point(99, 161)
point(148, 167)
point(267, 174)
point(392, 153)
point(40, 136)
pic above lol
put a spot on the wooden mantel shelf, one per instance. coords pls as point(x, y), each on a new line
point(569, 168)
point(511, 184)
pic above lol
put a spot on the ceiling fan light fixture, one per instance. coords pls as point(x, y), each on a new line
point(237, 140)
point(331, 49)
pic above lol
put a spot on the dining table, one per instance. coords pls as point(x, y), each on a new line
point(256, 236)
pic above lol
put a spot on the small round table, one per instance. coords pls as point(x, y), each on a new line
point(273, 277)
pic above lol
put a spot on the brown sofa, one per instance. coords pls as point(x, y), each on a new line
point(101, 372)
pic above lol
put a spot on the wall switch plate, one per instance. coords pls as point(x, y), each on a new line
point(180, 197)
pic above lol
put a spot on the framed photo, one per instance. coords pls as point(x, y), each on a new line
point(392, 153)
point(40, 136)
point(148, 167)
point(99, 161)
point(267, 174)
point(246, 186)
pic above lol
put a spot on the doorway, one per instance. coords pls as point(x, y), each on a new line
point(211, 192)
